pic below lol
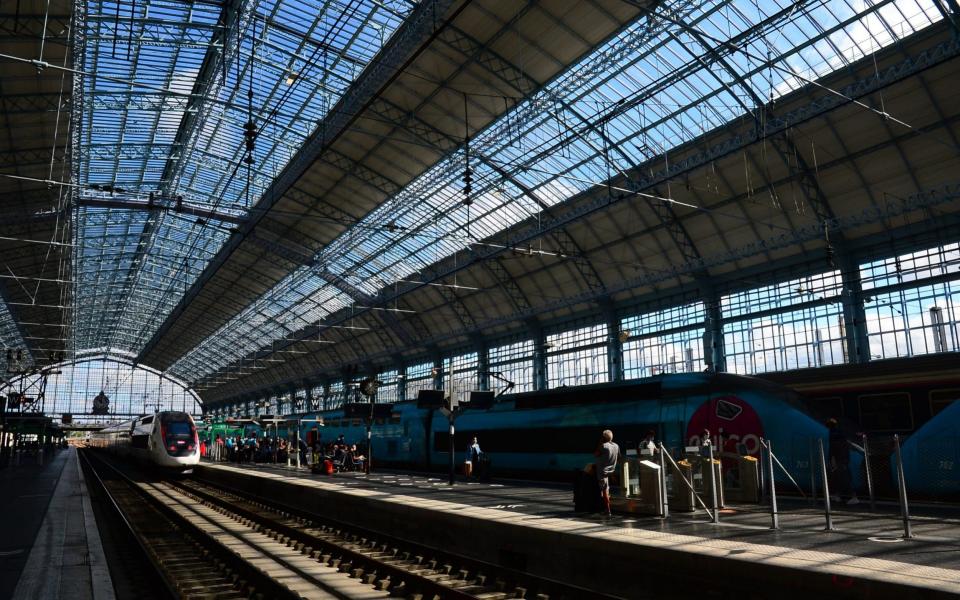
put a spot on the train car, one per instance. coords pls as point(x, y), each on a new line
point(547, 434)
point(931, 457)
point(881, 397)
point(165, 439)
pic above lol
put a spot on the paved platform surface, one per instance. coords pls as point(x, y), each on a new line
point(50, 547)
point(865, 544)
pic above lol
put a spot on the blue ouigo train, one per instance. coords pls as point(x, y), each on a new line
point(550, 433)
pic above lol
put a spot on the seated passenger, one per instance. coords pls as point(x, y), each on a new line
point(355, 458)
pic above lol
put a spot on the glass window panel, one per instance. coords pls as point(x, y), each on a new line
point(419, 377)
point(514, 362)
point(914, 321)
point(809, 337)
point(132, 391)
point(577, 357)
point(782, 295)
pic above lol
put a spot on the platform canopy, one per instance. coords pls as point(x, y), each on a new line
point(258, 191)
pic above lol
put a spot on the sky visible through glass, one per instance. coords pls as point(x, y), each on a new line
point(648, 88)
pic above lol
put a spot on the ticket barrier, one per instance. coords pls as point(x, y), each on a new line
point(682, 498)
point(643, 487)
point(704, 482)
point(747, 486)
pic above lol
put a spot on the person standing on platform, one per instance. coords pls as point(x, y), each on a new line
point(313, 443)
point(605, 465)
point(648, 442)
point(841, 482)
point(472, 464)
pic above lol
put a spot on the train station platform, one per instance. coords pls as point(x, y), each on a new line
point(533, 527)
point(50, 547)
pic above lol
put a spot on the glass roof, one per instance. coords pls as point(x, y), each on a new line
point(10, 337)
point(656, 85)
point(165, 113)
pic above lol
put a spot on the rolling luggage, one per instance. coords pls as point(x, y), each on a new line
point(586, 492)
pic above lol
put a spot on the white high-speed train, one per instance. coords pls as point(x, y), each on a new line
point(166, 439)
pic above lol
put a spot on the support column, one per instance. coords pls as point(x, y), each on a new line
point(614, 345)
point(539, 355)
point(401, 378)
point(713, 332)
point(856, 340)
point(307, 395)
point(438, 379)
point(293, 400)
point(483, 362)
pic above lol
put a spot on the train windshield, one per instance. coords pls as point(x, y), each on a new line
point(178, 434)
point(179, 428)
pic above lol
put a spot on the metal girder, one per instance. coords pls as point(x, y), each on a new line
point(508, 284)
point(55, 27)
point(18, 326)
point(127, 151)
point(155, 32)
point(361, 172)
point(284, 251)
point(156, 102)
point(931, 198)
point(806, 179)
point(647, 178)
point(463, 313)
point(122, 201)
point(781, 143)
point(341, 283)
point(209, 80)
point(489, 60)
point(23, 157)
point(571, 250)
point(17, 104)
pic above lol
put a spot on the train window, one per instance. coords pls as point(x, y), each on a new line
point(940, 399)
point(146, 420)
point(886, 412)
point(827, 407)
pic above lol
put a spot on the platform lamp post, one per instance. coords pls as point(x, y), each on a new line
point(368, 387)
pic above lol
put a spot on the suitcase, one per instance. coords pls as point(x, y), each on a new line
point(586, 492)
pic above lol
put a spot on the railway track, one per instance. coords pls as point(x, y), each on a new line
point(208, 541)
point(387, 564)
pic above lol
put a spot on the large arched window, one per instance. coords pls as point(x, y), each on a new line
point(71, 387)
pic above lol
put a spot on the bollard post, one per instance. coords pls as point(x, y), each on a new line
point(826, 488)
point(902, 483)
point(764, 496)
point(713, 485)
point(665, 509)
point(866, 465)
point(298, 445)
point(813, 476)
point(774, 515)
point(452, 459)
